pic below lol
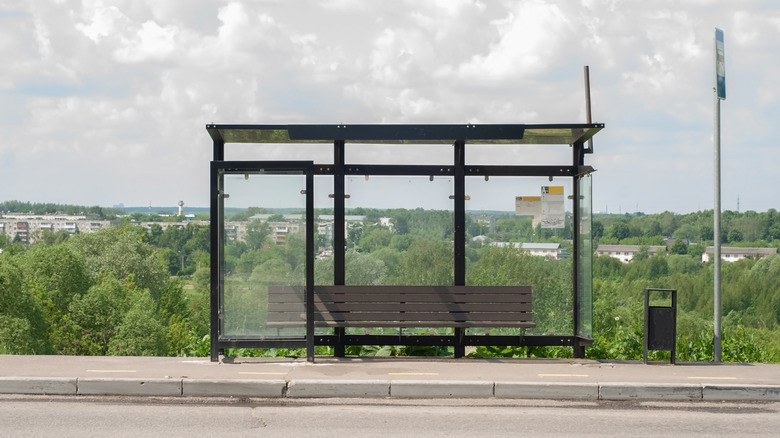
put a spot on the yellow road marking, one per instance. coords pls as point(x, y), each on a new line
point(111, 371)
point(712, 378)
point(260, 373)
point(563, 375)
point(413, 374)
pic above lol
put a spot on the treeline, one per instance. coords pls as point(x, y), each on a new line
point(129, 290)
point(750, 306)
point(737, 229)
point(104, 293)
point(66, 209)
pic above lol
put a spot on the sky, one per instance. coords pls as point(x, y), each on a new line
point(106, 102)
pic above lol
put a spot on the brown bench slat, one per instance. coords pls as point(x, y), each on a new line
point(404, 306)
point(419, 289)
point(420, 298)
point(462, 317)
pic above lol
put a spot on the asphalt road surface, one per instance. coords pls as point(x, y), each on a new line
point(37, 416)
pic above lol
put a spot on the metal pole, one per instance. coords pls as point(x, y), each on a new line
point(719, 93)
point(716, 347)
point(587, 105)
point(459, 235)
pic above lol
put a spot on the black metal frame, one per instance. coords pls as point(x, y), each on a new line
point(574, 135)
point(218, 344)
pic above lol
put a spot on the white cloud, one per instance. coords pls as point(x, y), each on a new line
point(526, 43)
point(150, 42)
point(102, 22)
point(120, 91)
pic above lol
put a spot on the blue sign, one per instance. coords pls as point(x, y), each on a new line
point(720, 65)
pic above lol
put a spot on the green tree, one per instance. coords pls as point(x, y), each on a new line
point(375, 238)
point(735, 235)
point(679, 247)
point(140, 333)
point(619, 231)
point(122, 253)
point(364, 269)
point(97, 315)
point(426, 263)
point(256, 234)
point(23, 326)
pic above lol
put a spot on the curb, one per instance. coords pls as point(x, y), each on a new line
point(741, 392)
point(136, 387)
point(39, 385)
point(441, 389)
point(233, 388)
point(550, 390)
point(319, 388)
point(384, 389)
point(639, 391)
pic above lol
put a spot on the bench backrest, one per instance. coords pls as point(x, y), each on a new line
point(405, 306)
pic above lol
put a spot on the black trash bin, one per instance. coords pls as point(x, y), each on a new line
point(661, 322)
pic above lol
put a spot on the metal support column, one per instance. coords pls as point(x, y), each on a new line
point(339, 238)
point(216, 227)
point(310, 266)
point(459, 231)
point(578, 160)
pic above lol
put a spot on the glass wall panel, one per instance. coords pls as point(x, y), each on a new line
point(399, 232)
point(518, 232)
point(585, 259)
point(263, 252)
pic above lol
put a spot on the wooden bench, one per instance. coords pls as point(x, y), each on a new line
point(457, 307)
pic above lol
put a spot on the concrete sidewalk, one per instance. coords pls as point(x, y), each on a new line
point(381, 378)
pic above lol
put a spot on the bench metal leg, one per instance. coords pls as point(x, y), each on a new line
point(460, 349)
point(338, 349)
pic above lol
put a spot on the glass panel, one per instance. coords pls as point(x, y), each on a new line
point(585, 259)
point(264, 250)
point(399, 232)
point(513, 154)
point(323, 230)
point(523, 242)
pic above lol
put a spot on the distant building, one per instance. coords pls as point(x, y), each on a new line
point(732, 254)
point(626, 253)
point(549, 250)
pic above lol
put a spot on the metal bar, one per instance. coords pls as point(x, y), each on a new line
point(717, 336)
point(579, 351)
point(309, 264)
point(216, 254)
point(459, 230)
point(589, 150)
point(448, 170)
point(449, 340)
point(265, 343)
point(554, 171)
point(339, 238)
point(216, 219)
point(402, 170)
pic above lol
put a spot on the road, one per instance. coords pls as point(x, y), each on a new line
point(25, 416)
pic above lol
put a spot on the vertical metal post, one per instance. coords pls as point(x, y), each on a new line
point(310, 264)
point(716, 347)
point(339, 239)
point(459, 230)
point(587, 105)
point(579, 350)
point(216, 228)
point(719, 93)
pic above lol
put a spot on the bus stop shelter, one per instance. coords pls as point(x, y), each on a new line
point(293, 190)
